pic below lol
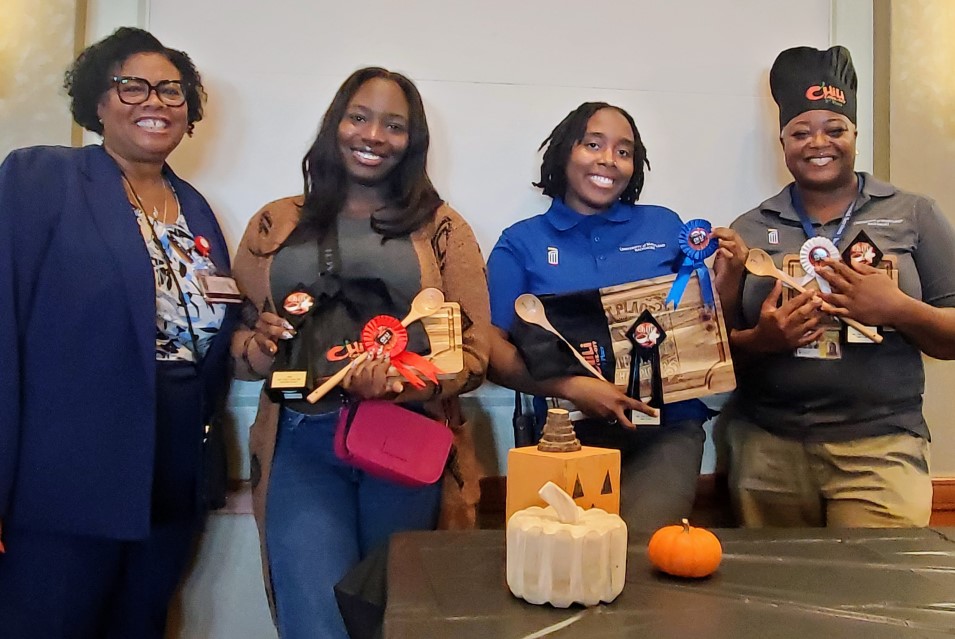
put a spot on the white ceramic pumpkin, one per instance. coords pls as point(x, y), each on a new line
point(564, 554)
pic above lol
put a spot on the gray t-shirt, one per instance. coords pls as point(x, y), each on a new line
point(391, 266)
point(875, 389)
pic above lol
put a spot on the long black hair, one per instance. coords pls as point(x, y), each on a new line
point(90, 75)
point(567, 134)
point(409, 188)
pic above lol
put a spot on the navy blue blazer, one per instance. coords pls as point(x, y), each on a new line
point(78, 341)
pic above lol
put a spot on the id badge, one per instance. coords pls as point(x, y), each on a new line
point(218, 288)
point(828, 346)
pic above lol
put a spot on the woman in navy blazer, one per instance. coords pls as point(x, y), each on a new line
point(112, 360)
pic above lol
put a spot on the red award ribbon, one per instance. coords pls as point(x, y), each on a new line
point(384, 335)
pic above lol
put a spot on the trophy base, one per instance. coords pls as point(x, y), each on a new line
point(286, 385)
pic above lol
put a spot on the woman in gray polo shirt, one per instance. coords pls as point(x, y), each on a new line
point(826, 427)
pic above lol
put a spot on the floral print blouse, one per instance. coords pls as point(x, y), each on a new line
point(172, 245)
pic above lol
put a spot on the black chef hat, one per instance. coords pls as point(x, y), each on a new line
point(805, 79)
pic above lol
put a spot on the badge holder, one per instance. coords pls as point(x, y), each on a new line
point(288, 379)
point(215, 288)
point(645, 336)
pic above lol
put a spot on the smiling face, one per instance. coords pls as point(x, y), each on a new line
point(147, 132)
point(600, 164)
point(820, 149)
point(373, 134)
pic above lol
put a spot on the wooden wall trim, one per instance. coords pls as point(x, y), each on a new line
point(943, 496)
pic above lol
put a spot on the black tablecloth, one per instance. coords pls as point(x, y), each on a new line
point(772, 584)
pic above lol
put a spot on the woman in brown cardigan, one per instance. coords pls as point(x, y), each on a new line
point(369, 233)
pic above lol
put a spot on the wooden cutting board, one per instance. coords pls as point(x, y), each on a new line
point(695, 356)
point(444, 332)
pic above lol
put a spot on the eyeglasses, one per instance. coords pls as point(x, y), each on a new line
point(132, 90)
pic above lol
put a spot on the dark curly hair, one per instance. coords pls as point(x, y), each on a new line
point(326, 181)
point(567, 134)
point(90, 76)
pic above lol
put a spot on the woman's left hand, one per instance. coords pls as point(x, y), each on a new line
point(730, 262)
point(864, 293)
point(374, 378)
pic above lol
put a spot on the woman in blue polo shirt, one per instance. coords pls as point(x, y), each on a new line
point(594, 235)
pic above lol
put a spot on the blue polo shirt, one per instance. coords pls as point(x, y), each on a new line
point(562, 251)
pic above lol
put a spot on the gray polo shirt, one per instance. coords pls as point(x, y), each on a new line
point(875, 389)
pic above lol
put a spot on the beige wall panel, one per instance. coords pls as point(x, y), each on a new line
point(37, 39)
point(922, 138)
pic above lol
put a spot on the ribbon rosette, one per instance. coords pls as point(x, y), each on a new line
point(697, 245)
point(384, 335)
point(811, 256)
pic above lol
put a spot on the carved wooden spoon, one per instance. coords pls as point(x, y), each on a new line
point(759, 262)
point(426, 303)
point(531, 310)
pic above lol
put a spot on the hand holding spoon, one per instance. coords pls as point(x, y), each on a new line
point(425, 303)
point(758, 262)
point(531, 310)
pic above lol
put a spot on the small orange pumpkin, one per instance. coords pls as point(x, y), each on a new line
point(685, 551)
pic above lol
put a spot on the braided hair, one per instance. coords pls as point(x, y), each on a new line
point(571, 130)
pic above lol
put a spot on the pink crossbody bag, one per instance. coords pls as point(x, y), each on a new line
point(392, 443)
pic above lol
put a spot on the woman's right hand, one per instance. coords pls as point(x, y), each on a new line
point(598, 398)
point(269, 329)
point(373, 378)
point(785, 328)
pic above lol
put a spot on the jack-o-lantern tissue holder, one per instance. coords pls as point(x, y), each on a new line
point(590, 475)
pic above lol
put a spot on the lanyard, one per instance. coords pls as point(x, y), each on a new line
point(164, 250)
point(807, 223)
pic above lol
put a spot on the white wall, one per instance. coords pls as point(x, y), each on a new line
point(496, 76)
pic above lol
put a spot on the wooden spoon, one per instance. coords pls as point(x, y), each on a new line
point(531, 310)
point(758, 262)
point(426, 303)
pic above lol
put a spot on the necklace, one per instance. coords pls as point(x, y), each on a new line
point(136, 201)
point(165, 197)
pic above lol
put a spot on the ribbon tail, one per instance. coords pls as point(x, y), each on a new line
point(679, 284)
point(407, 373)
point(706, 286)
point(421, 364)
point(823, 285)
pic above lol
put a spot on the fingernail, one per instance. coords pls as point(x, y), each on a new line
point(286, 324)
point(287, 335)
point(273, 348)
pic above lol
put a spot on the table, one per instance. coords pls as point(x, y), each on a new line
point(772, 584)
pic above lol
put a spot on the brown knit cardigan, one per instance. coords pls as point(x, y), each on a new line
point(450, 259)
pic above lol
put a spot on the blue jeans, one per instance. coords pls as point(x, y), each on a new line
point(322, 518)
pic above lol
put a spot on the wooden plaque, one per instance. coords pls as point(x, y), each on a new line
point(695, 356)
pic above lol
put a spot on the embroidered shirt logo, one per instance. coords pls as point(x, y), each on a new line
point(552, 256)
point(638, 248)
point(879, 222)
point(827, 93)
point(772, 236)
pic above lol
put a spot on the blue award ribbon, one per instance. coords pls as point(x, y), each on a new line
point(697, 245)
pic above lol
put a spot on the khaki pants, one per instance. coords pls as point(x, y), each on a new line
point(874, 482)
